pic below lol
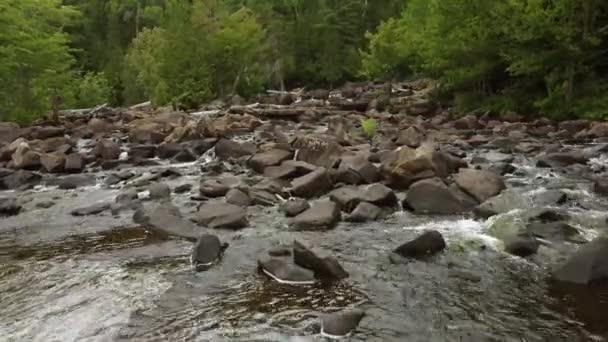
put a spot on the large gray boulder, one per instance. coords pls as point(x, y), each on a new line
point(313, 184)
point(259, 162)
point(164, 221)
point(226, 149)
point(285, 271)
point(206, 252)
point(429, 243)
point(326, 268)
point(339, 324)
point(588, 264)
point(222, 215)
point(479, 183)
point(322, 215)
point(432, 196)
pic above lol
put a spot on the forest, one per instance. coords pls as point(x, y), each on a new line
point(537, 57)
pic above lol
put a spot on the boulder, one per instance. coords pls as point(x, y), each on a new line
point(57, 144)
point(19, 179)
point(238, 197)
point(213, 188)
point(467, 122)
point(289, 169)
point(164, 221)
point(90, 210)
point(182, 188)
point(222, 215)
point(598, 130)
point(429, 243)
point(260, 161)
point(9, 206)
point(323, 268)
point(320, 216)
point(6, 152)
point(480, 184)
point(411, 137)
point(206, 252)
point(9, 132)
point(313, 184)
point(74, 163)
point(574, 126)
point(230, 149)
point(46, 132)
point(142, 151)
point(73, 182)
point(159, 191)
point(588, 264)
point(25, 159)
point(522, 246)
point(507, 201)
point(168, 150)
point(107, 150)
point(561, 159)
point(555, 231)
point(294, 206)
point(147, 133)
point(53, 162)
point(364, 212)
point(339, 324)
point(322, 151)
point(284, 271)
point(184, 156)
point(262, 197)
point(347, 197)
point(99, 126)
point(432, 196)
point(600, 186)
point(381, 195)
point(357, 170)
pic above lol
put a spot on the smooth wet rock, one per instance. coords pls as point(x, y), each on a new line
point(259, 162)
point(432, 196)
point(142, 151)
point(99, 126)
point(90, 210)
point(285, 271)
point(522, 246)
point(107, 150)
point(347, 197)
point(364, 212)
point(357, 170)
point(381, 195)
point(9, 132)
point(588, 264)
point(9, 206)
point(238, 197)
point(222, 215)
point(289, 169)
point(214, 188)
point(206, 252)
point(184, 156)
point(226, 149)
point(480, 184)
point(561, 159)
point(294, 206)
point(411, 137)
point(321, 215)
point(168, 150)
point(313, 184)
point(73, 182)
point(74, 163)
point(159, 191)
point(507, 201)
point(45, 132)
point(262, 197)
point(324, 268)
point(25, 159)
point(340, 324)
point(319, 150)
point(19, 179)
point(53, 162)
point(429, 243)
point(164, 221)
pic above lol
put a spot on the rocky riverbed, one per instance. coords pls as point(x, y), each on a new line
point(280, 219)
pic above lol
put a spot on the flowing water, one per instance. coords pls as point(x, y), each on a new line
point(101, 278)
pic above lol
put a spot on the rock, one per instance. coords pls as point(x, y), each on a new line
point(9, 206)
point(19, 179)
point(142, 151)
point(480, 184)
point(206, 252)
point(522, 246)
point(184, 156)
point(227, 149)
point(45, 204)
point(429, 243)
point(46, 132)
point(364, 212)
point(356, 170)
point(289, 169)
point(284, 271)
point(168, 150)
point(147, 133)
point(323, 268)
point(320, 216)
point(322, 151)
point(294, 206)
point(98, 126)
point(381, 195)
point(94, 209)
point(222, 215)
point(432, 196)
point(200, 146)
point(238, 197)
point(279, 251)
point(600, 186)
point(588, 264)
point(53, 162)
point(165, 221)
point(340, 324)
point(347, 197)
point(574, 126)
point(507, 201)
point(313, 184)
point(25, 159)
point(510, 116)
point(411, 137)
point(182, 188)
point(9, 132)
point(73, 182)
point(467, 122)
point(159, 191)
point(262, 197)
point(599, 130)
point(259, 162)
point(557, 231)
point(561, 159)
point(6, 152)
point(57, 144)
point(74, 163)
point(107, 150)
point(213, 188)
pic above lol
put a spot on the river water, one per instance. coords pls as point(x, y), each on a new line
point(101, 278)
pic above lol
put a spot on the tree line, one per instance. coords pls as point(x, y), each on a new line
point(534, 56)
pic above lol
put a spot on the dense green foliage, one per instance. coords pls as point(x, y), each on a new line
point(533, 56)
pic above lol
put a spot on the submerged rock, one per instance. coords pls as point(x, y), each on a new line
point(522, 246)
point(165, 221)
point(94, 209)
point(324, 268)
point(321, 216)
point(340, 324)
point(427, 244)
point(9, 206)
point(284, 271)
point(206, 252)
point(294, 206)
point(364, 212)
point(588, 264)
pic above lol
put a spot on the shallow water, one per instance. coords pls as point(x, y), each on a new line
point(101, 278)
